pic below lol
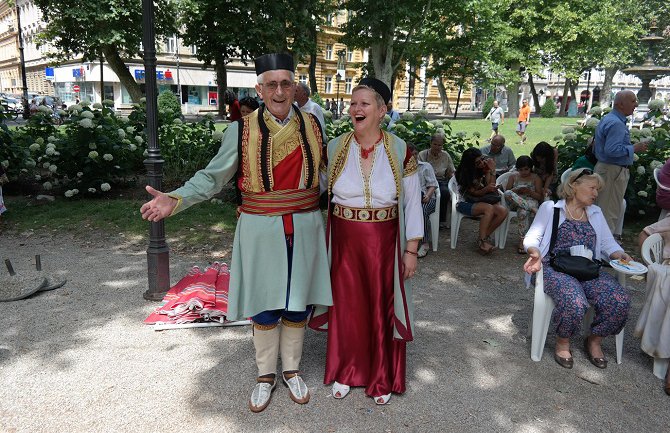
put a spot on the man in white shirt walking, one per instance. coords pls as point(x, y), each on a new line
point(497, 116)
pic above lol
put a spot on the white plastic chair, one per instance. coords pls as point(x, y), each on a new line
point(664, 212)
point(652, 252)
point(434, 219)
point(543, 306)
point(456, 216)
point(504, 227)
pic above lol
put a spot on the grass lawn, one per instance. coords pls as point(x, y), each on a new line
point(539, 129)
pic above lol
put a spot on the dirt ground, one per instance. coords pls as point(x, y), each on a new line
point(79, 359)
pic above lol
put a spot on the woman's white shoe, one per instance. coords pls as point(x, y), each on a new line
point(340, 390)
point(383, 399)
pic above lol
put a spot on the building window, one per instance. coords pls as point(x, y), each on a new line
point(347, 86)
point(171, 45)
point(194, 50)
point(328, 80)
point(329, 20)
point(350, 55)
point(303, 79)
point(329, 52)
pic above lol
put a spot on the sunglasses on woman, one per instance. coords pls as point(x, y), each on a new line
point(585, 172)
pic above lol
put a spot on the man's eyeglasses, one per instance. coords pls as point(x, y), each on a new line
point(585, 172)
point(272, 85)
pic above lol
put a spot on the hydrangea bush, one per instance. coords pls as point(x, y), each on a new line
point(641, 191)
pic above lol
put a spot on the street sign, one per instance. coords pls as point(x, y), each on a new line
point(75, 88)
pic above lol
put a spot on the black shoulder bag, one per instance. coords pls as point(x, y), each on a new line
point(576, 266)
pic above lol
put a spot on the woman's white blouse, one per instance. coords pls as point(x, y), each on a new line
point(352, 190)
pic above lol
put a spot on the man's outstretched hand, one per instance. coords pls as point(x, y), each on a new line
point(159, 207)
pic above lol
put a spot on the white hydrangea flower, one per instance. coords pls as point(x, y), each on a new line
point(43, 109)
point(24, 170)
point(656, 104)
point(86, 123)
point(97, 106)
point(121, 133)
point(596, 111)
point(80, 174)
point(440, 131)
point(641, 169)
point(38, 177)
point(46, 165)
point(132, 147)
point(92, 146)
point(93, 154)
point(51, 139)
point(50, 151)
point(387, 118)
point(400, 127)
point(139, 139)
point(328, 114)
point(75, 191)
point(461, 134)
point(30, 163)
point(645, 132)
point(422, 113)
point(642, 193)
point(655, 164)
point(34, 147)
point(92, 190)
point(75, 107)
point(85, 103)
point(51, 146)
point(592, 122)
point(217, 135)
point(69, 193)
point(436, 122)
point(39, 140)
point(53, 168)
point(177, 121)
point(47, 186)
point(476, 134)
point(123, 119)
point(635, 132)
point(107, 157)
point(143, 100)
point(87, 114)
point(635, 157)
point(568, 130)
point(145, 153)
point(407, 116)
point(446, 122)
point(130, 129)
point(62, 113)
point(4, 163)
point(641, 212)
point(105, 187)
point(569, 136)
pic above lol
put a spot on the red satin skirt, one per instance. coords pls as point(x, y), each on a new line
point(361, 349)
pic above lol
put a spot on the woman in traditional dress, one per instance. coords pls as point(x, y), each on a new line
point(653, 326)
point(375, 224)
point(579, 223)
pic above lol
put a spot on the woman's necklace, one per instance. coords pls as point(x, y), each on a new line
point(572, 217)
point(366, 152)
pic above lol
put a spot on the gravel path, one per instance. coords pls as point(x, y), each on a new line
point(79, 359)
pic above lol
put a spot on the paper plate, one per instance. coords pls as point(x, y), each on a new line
point(630, 268)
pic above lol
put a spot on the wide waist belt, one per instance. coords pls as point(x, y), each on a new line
point(367, 215)
point(283, 202)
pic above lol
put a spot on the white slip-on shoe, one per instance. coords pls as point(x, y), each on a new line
point(297, 388)
point(382, 399)
point(262, 393)
point(423, 250)
point(340, 390)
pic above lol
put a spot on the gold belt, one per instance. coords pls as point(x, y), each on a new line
point(366, 215)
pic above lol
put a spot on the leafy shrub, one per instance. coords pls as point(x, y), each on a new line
point(318, 99)
point(169, 107)
point(548, 110)
point(488, 104)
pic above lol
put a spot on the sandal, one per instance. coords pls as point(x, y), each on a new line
point(483, 250)
point(382, 399)
point(340, 390)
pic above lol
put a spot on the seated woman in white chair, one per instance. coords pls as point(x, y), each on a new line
point(428, 198)
point(653, 326)
point(580, 223)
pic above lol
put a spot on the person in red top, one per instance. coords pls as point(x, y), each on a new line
point(233, 106)
point(523, 120)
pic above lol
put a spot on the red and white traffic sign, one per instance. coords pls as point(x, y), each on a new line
point(75, 88)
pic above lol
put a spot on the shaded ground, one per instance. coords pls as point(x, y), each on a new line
point(79, 359)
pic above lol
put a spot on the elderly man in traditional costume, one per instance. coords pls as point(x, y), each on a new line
point(279, 266)
point(375, 223)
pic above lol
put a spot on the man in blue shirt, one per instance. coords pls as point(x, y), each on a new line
point(614, 152)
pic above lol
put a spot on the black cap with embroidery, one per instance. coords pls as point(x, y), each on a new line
point(378, 86)
point(271, 62)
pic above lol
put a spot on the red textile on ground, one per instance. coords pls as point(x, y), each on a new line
point(361, 349)
point(199, 296)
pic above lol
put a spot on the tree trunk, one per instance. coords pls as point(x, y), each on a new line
point(381, 54)
point(117, 65)
point(533, 91)
point(446, 108)
point(564, 102)
point(513, 94)
point(221, 85)
point(573, 90)
point(606, 92)
point(312, 62)
point(458, 99)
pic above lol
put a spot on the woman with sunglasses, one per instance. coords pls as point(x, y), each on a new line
point(580, 223)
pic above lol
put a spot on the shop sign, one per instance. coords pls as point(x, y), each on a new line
point(140, 75)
